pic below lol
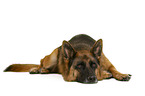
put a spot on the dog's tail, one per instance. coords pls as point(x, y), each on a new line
point(20, 67)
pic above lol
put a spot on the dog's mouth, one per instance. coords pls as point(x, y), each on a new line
point(88, 80)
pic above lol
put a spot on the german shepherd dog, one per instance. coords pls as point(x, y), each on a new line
point(80, 59)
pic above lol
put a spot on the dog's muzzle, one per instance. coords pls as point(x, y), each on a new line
point(91, 79)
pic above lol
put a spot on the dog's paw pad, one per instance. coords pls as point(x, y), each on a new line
point(126, 78)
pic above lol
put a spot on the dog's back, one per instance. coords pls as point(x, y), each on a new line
point(82, 42)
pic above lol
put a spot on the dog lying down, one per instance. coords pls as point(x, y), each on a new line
point(80, 59)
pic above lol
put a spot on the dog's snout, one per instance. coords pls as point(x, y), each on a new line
point(92, 78)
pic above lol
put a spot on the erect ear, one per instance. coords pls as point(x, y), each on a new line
point(68, 50)
point(97, 48)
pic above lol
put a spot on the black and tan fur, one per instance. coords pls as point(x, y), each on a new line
point(80, 59)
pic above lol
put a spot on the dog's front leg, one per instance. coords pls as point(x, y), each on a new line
point(119, 76)
point(107, 65)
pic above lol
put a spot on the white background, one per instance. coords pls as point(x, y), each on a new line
point(31, 29)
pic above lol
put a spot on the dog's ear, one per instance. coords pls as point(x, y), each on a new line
point(97, 48)
point(68, 50)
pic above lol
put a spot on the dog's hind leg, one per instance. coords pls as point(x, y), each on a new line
point(48, 64)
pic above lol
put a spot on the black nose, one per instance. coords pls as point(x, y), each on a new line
point(92, 79)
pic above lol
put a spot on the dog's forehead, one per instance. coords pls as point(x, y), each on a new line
point(85, 56)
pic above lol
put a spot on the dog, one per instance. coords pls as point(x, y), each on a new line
point(80, 59)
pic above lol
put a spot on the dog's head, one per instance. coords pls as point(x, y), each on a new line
point(82, 65)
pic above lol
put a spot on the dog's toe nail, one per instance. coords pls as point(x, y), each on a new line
point(129, 75)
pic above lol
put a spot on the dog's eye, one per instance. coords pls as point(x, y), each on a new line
point(80, 66)
point(93, 64)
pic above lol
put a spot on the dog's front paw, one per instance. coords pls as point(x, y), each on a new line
point(126, 77)
point(123, 77)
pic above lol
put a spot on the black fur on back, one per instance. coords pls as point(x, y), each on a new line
point(82, 42)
